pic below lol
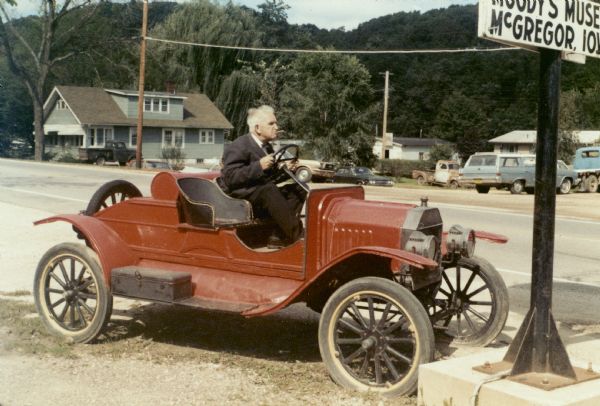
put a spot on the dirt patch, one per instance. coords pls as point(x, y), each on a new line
point(170, 355)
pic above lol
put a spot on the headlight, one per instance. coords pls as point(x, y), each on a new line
point(421, 244)
point(461, 240)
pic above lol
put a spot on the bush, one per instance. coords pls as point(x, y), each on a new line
point(175, 157)
point(400, 167)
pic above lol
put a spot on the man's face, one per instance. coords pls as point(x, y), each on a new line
point(266, 129)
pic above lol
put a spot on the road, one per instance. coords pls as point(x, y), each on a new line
point(57, 188)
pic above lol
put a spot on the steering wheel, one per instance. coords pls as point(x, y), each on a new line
point(287, 153)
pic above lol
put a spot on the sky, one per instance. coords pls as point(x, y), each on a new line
point(322, 13)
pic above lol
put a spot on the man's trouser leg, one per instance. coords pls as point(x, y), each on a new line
point(269, 197)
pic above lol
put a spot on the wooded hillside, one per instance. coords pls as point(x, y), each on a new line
point(334, 101)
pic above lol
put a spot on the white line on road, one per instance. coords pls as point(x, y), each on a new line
point(562, 280)
point(44, 194)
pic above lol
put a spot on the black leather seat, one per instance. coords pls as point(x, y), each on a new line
point(204, 204)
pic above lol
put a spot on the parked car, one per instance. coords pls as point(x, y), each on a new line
point(113, 151)
point(383, 275)
point(587, 166)
point(318, 171)
point(514, 172)
point(359, 175)
point(445, 173)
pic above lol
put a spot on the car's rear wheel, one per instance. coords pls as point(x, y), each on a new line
point(100, 161)
point(70, 293)
point(517, 187)
point(471, 305)
point(111, 193)
point(453, 184)
point(421, 180)
point(482, 189)
point(373, 335)
point(304, 174)
point(591, 184)
point(565, 186)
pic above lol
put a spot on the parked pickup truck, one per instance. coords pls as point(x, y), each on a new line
point(515, 172)
point(587, 166)
point(445, 173)
point(113, 151)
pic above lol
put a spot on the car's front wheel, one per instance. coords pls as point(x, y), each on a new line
point(373, 335)
point(471, 304)
point(70, 294)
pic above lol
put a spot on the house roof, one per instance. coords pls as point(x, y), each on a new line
point(419, 142)
point(530, 137)
point(95, 106)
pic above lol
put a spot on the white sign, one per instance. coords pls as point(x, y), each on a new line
point(571, 26)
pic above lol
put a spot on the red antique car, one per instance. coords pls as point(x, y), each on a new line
point(383, 275)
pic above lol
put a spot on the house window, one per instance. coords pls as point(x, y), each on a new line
point(156, 105)
point(99, 135)
point(133, 136)
point(172, 138)
point(61, 105)
point(207, 137)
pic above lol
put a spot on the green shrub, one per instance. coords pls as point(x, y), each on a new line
point(175, 157)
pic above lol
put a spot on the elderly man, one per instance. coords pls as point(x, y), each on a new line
point(247, 167)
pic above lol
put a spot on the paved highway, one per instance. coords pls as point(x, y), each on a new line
point(56, 188)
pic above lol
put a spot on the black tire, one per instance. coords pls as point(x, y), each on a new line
point(70, 294)
point(481, 293)
point(565, 187)
point(100, 161)
point(529, 190)
point(364, 348)
point(453, 184)
point(111, 193)
point(591, 184)
point(482, 189)
point(517, 187)
point(421, 181)
point(304, 174)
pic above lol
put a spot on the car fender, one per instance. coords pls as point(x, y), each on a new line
point(398, 255)
point(112, 251)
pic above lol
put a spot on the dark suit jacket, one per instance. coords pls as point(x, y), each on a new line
point(241, 172)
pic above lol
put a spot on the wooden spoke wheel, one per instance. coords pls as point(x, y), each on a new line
point(110, 194)
point(70, 294)
point(471, 304)
point(373, 334)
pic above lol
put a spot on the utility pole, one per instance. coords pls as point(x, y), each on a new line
point(140, 117)
point(385, 111)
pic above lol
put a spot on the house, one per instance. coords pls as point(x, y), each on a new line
point(88, 116)
point(416, 149)
point(523, 142)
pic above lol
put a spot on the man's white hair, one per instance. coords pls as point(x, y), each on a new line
point(256, 114)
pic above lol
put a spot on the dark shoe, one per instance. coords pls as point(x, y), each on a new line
point(275, 242)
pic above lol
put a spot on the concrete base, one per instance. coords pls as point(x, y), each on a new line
point(453, 382)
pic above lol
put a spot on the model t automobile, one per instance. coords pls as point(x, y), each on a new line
point(383, 275)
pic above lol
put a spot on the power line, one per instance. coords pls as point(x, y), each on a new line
point(333, 51)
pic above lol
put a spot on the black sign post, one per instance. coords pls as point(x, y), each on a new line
point(537, 346)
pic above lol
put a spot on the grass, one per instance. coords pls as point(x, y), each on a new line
point(16, 293)
point(276, 350)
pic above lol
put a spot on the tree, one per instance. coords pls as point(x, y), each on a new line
point(440, 151)
point(570, 119)
point(327, 100)
point(33, 50)
point(462, 121)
